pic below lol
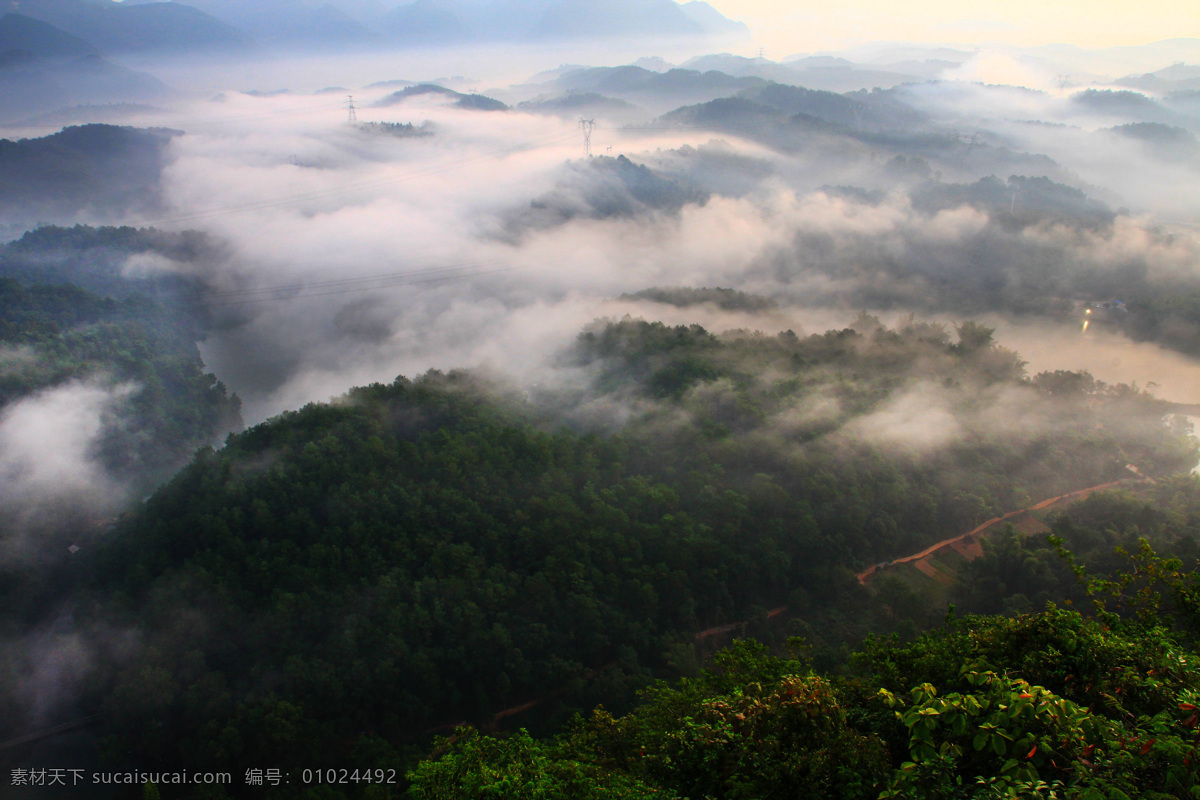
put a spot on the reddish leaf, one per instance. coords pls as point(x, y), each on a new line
point(1031, 752)
point(1146, 747)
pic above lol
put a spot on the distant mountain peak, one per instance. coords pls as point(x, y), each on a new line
point(133, 27)
point(41, 39)
point(713, 21)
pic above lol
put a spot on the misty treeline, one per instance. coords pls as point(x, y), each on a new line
point(898, 208)
point(103, 394)
point(887, 203)
point(75, 310)
point(1023, 245)
point(1014, 243)
point(341, 583)
point(336, 584)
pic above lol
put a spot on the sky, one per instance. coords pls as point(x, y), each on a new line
point(784, 27)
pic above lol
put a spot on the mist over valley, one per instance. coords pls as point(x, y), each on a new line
point(370, 368)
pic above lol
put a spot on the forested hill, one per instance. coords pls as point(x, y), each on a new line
point(61, 335)
point(435, 550)
point(101, 379)
point(98, 171)
point(76, 307)
point(116, 262)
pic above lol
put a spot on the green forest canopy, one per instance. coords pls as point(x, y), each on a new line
point(360, 573)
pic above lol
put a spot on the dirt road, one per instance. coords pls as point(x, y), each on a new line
point(865, 576)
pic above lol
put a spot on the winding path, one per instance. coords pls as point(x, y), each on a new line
point(865, 576)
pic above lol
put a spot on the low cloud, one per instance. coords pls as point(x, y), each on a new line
point(49, 464)
point(353, 256)
point(918, 420)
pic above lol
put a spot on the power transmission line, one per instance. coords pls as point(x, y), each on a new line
point(279, 202)
point(224, 297)
point(659, 128)
point(587, 125)
point(401, 279)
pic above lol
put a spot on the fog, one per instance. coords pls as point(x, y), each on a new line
point(50, 468)
point(444, 267)
point(352, 254)
point(347, 248)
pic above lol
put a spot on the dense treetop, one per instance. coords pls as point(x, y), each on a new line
point(435, 550)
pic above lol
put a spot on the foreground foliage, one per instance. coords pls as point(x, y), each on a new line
point(1049, 705)
point(361, 574)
